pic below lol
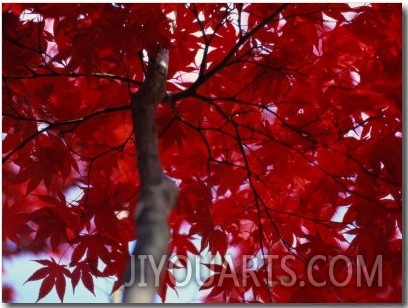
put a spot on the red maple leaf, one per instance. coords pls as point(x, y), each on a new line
point(54, 275)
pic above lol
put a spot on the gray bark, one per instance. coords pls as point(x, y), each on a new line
point(157, 192)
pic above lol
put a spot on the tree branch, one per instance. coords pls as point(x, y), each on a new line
point(35, 75)
point(158, 193)
point(52, 126)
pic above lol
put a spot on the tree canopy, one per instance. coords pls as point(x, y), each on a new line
point(281, 127)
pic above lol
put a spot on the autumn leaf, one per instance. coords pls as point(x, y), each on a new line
point(53, 275)
point(280, 124)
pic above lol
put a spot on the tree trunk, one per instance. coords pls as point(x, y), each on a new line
point(157, 192)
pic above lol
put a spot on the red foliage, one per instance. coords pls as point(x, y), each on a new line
point(7, 294)
point(284, 117)
point(53, 274)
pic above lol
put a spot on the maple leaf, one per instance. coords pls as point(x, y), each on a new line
point(281, 125)
point(168, 281)
point(225, 282)
point(83, 271)
point(53, 275)
point(55, 222)
point(15, 225)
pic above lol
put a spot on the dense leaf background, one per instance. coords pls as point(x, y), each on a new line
point(284, 116)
